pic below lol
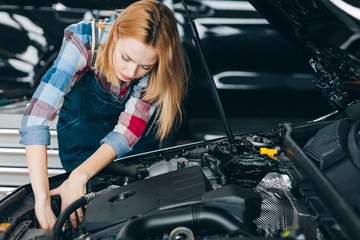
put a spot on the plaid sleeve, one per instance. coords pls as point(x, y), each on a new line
point(132, 121)
point(73, 58)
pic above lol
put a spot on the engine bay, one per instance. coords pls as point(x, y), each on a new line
point(205, 191)
point(197, 191)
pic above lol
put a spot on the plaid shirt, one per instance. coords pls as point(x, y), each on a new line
point(72, 62)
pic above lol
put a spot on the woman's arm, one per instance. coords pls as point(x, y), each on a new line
point(36, 157)
point(102, 157)
point(72, 189)
point(74, 57)
point(75, 186)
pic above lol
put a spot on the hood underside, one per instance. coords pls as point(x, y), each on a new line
point(328, 33)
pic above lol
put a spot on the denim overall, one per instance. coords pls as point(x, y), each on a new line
point(88, 114)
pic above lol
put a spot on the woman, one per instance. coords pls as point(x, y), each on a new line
point(125, 103)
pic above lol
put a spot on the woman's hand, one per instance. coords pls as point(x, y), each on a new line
point(75, 186)
point(45, 215)
point(36, 157)
point(71, 190)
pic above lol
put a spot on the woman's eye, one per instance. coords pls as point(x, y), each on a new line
point(146, 68)
point(125, 59)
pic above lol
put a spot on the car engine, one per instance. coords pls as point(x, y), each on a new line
point(203, 190)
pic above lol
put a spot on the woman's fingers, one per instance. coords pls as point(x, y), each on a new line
point(76, 218)
point(71, 190)
point(80, 214)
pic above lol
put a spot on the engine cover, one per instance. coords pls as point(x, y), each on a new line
point(175, 188)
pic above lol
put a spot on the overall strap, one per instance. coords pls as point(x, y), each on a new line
point(95, 33)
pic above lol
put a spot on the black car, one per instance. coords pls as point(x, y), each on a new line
point(248, 58)
point(251, 62)
point(31, 39)
point(296, 181)
point(257, 72)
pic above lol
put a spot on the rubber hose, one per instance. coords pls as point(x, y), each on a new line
point(67, 212)
point(78, 204)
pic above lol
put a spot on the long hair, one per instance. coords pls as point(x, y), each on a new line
point(153, 24)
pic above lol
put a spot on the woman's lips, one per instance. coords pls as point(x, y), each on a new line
point(125, 77)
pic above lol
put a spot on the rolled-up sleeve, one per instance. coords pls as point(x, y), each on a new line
point(35, 135)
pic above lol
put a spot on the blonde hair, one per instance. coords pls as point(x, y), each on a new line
point(153, 24)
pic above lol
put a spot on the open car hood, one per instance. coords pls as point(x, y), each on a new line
point(327, 32)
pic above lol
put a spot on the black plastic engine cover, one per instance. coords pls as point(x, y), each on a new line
point(176, 188)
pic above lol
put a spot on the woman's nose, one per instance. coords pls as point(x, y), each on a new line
point(131, 70)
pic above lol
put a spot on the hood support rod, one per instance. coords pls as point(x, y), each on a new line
point(210, 79)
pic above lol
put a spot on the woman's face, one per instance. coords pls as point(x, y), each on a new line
point(132, 59)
